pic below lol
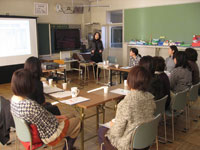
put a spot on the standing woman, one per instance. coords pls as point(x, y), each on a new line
point(97, 49)
point(33, 65)
point(170, 60)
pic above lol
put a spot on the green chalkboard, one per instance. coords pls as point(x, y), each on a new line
point(175, 22)
point(43, 39)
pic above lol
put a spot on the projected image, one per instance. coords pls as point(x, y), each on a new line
point(14, 38)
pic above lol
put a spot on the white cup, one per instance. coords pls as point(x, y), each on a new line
point(117, 66)
point(107, 62)
point(50, 82)
point(105, 89)
point(104, 62)
point(75, 91)
point(64, 85)
point(125, 83)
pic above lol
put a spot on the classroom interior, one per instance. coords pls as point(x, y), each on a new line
point(100, 15)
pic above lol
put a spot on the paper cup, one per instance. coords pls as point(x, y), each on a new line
point(50, 82)
point(64, 85)
point(117, 66)
point(125, 83)
point(105, 89)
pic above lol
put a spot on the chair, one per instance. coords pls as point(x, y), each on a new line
point(85, 64)
point(160, 109)
point(145, 134)
point(112, 59)
point(192, 97)
point(178, 105)
point(23, 132)
point(61, 73)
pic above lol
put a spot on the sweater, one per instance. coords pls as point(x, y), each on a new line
point(180, 79)
point(169, 63)
point(137, 107)
point(195, 72)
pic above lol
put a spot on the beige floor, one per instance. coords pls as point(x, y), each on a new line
point(183, 141)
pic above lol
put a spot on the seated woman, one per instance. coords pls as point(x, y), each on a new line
point(134, 57)
point(133, 60)
point(159, 66)
point(181, 76)
point(155, 86)
point(137, 107)
point(33, 65)
point(169, 61)
point(52, 129)
point(192, 56)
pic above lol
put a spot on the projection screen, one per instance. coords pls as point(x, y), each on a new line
point(18, 40)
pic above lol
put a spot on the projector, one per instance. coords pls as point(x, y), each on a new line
point(49, 65)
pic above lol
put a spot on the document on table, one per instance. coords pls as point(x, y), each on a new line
point(127, 67)
point(50, 89)
point(75, 100)
point(120, 91)
point(107, 124)
point(61, 94)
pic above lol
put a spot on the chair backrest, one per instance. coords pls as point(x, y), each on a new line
point(145, 134)
point(65, 54)
point(179, 100)
point(22, 129)
point(160, 105)
point(193, 92)
point(112, 59)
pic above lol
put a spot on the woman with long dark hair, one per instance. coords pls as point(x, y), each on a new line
point(97, 49)
point(169, 61)
point(33, 65)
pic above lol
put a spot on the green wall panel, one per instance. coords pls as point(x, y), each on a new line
point(175, 22)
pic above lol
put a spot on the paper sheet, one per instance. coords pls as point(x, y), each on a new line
point(120, 91)
point(75, 100)
point(107, 124)
point(50, 89)
point(127, 67)
point(61, 94)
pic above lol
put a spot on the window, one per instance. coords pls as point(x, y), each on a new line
point(116, 37)
point(115, 16)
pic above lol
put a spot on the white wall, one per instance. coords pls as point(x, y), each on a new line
point(26, 8)
point(98, 14)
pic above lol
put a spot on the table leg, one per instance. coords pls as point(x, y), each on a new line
point(97, 114)
point(97, 72)
point(65, 75)
point(103, 110)
point(120, 77)
point(110, 77)
point(82, 128)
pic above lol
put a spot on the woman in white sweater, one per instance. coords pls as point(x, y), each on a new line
point(137, 107)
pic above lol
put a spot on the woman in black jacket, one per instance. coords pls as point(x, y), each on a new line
point(97, 49)
point(33, 65)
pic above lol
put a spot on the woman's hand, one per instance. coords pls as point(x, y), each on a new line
point(100, 51)
point(111, 123)
point(61, 118)
point(92, 51)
